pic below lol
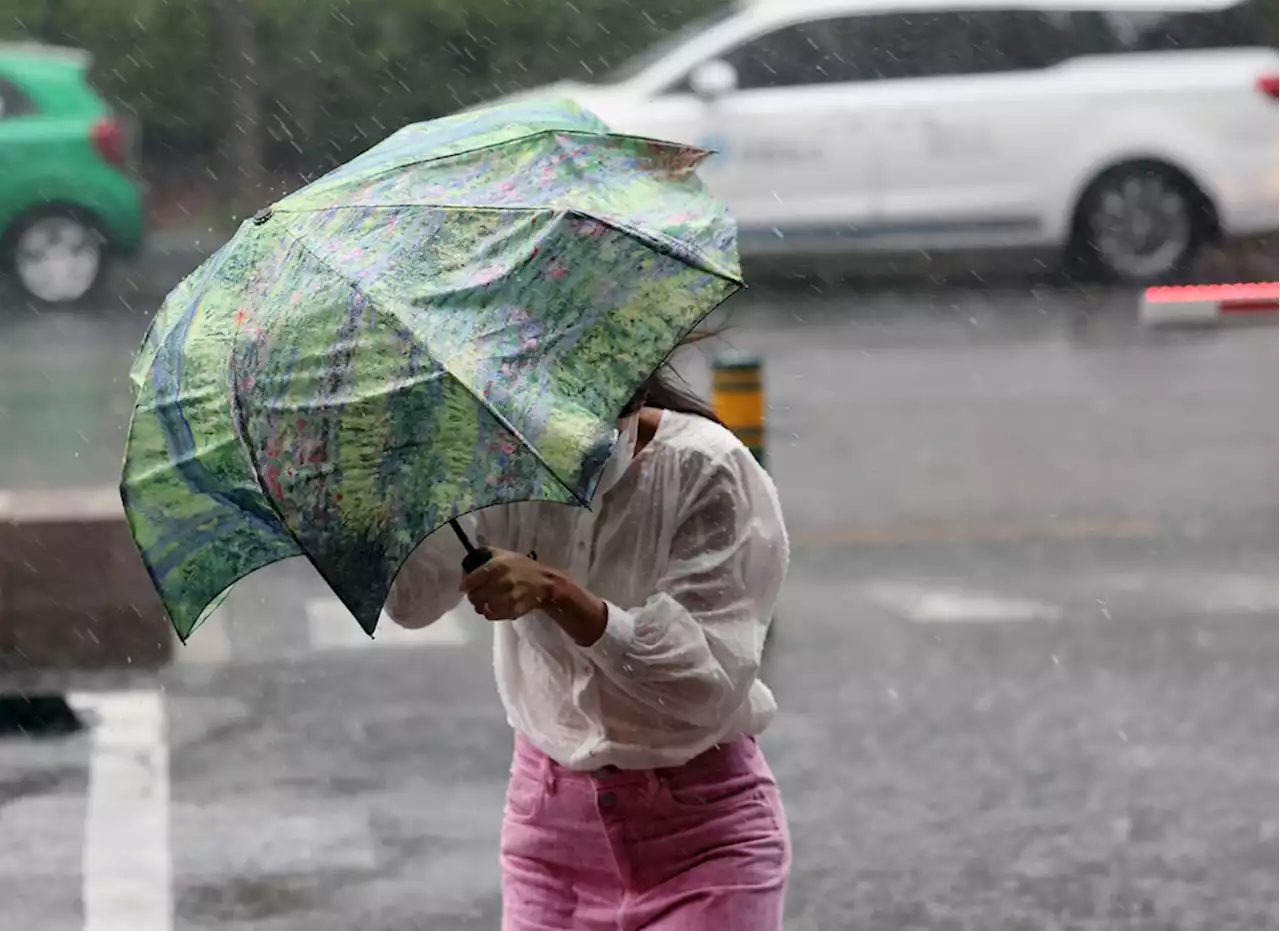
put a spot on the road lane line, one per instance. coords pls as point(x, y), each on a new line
point(127, 868)
point(923, 604)
point(1133, 529)
point(330, 626)
point(1231, 593)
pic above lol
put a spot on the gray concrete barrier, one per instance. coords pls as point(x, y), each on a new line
point(74, 596)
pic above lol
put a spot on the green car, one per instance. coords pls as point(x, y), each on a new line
point(69, 192)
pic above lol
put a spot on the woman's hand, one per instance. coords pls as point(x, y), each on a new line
point(508, 586)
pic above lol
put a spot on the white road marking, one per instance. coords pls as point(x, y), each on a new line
point(127, 864)
point(928, 605)
point(209, 644)
point(330, 626)
point(1232, 594)
point(1226, 594)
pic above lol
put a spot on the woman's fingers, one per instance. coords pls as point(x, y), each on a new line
point(490, 604)
point(499, 606)
point(495, 569)
point(500, 589)
point(476, 578)
point(497, 572)
point(496, 591)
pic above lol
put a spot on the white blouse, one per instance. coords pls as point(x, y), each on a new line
point(686, 545)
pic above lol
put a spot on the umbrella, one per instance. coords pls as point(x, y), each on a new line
point(450, 321)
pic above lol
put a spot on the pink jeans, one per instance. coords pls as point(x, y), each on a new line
point(699, 846)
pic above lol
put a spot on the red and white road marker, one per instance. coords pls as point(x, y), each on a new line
point(1203, 303)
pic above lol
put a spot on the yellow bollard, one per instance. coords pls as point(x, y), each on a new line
point(737, 395)
point(738, 398)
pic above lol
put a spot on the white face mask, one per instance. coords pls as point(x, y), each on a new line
point(624, 450)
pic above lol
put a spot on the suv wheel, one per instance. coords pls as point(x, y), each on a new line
point(57, 257)
point(1139, 224)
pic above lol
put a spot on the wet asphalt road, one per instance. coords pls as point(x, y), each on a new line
point(1026, 656)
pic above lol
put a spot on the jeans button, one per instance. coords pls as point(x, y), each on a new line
point(607, 799)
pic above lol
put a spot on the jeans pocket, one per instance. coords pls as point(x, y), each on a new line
point(746, 823)
point(715, 797)
point(525, 794)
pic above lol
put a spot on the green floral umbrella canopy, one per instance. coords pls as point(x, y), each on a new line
point(450, 321)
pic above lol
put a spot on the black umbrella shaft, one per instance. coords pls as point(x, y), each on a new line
point(462, 536)
point(476, 556)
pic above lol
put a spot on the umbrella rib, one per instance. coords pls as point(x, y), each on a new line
point(400, 166)
point(652, 240)
point(566, 130)
point(484, 402)
point(703, 262)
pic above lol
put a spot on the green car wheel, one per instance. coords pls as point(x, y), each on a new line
point(57, 258)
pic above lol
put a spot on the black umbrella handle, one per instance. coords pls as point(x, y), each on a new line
point(476, 556)
point(475, 559)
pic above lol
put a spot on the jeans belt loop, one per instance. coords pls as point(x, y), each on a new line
point(549, 775)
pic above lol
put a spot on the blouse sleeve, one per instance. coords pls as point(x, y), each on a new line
point(692, 651)
point(426, 588)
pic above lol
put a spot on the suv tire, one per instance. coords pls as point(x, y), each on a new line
point(1140, 223)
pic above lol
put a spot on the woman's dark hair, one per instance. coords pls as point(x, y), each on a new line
point(666, 390)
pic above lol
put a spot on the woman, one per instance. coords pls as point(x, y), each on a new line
point(627, 660)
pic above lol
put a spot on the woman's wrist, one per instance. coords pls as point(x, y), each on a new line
point(576, 611)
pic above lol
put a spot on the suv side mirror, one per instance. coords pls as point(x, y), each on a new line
point(713, 79)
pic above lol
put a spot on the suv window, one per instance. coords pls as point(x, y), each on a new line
point(1245, 25)
point(953, 43)
point(913, 45)
point(924, 44)
point(13, 100)
point(792, 56)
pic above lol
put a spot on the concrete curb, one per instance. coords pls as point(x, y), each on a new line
point(1194, 304)
point(74, 596)
point(61, 505)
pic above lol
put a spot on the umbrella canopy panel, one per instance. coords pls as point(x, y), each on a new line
point(449, 322)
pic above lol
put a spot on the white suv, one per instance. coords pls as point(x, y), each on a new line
point(1122, 134)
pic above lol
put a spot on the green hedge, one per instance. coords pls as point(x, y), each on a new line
point(336, 75)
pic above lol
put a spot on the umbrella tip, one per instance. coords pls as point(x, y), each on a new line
point(262, 216)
